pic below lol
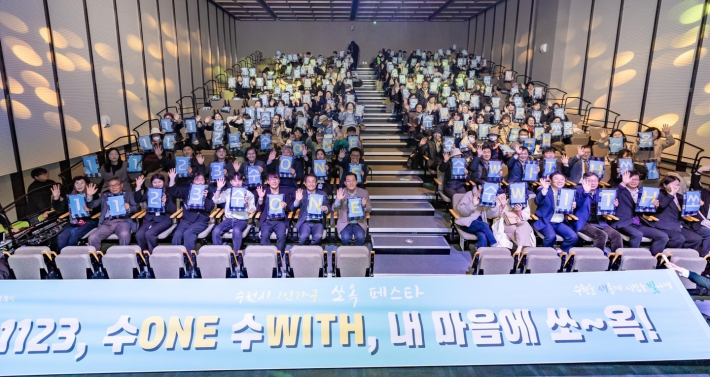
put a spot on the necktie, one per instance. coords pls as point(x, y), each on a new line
point(586, 166)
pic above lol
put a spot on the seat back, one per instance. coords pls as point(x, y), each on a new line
point(589, 259)
point(455, 201)
point(74, 262)
point(352, 261)
point(542, 260)
point(120, 261)
point(29, 250)
point(306, 261)
point(261, 261)
point(213, 261)
point(166, 261)
point(636, 259)
point(494, 261)
point(688, 259)
point(27, 266)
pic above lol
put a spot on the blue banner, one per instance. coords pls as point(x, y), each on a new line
point(483, 130)
point(646, 140)
point(315, 202)
point(190, 125)
point(691, 203)
point(488, 194)
point(169, 142)
point(549, 167)
point(145, 143)
point(357, 170)
point(530, 171)
point(328, 144)
point(235, 141)
point(546, 141)
point(355, 211)
point(556, 128)
point(458, 127)
point(606, 202)
point(76, 326)
point(625, 164)
point(166, 124)
point(616, 144)
point(298, 149)
point(76, 206)
point(265, 142)
point(596, 166)
point(651, 169)
point(197, 197)
point(518, 194)
point(237, 199)
point(529, 144)
point(353, 142)
point(275, 206)
point(448, 144)
point(319, 168)
point(513, 135)
point(565, 198)
point(568, 129)
point(494, 170)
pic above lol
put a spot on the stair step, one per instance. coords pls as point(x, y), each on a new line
point(396, 169)
point(408, 224)
point(386, 160)
point(402, 208)
point(381, 125)
point(383, 137)
point(390, 130)
point(391, 151)
point(394, 180)
point(384, 144)
point(409, 244)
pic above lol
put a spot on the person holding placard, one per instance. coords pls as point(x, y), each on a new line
point(513, 223)
point(196, 163)
point(251, 162)
point(624, 162)
point(274, 203)
point(631, 223)
point(80, 222)
point(239, 204)
point(352, 205)
point(479, 167)
point(159, 207)
point(702, 226)
point(474, 217)
point(669, 217)
point(197, 205)
point(455, 173)
point(353, 163)
point(589, 221)
point(552, 205)
point(516, 165)
point(313, 212)
point(114, 167)
point(661, 141)
point(432, 149)
point(575, 167)
point(615, 141)
point(295, 172)
point(117, 206)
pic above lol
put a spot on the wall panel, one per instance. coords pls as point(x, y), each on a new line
point(498, 35)
point(7, 154)
point(507, 57)
point(133, 69)
point(601, 51)
point(488, 36)
point(195, 43)
point(576, 45)
point(183, 36)
point(480, 31)
point(207, 51)
point(24, 36)
point(521, 48)
point(699, 121)
point(214, 45)
point(153, 56)
point(170, 52)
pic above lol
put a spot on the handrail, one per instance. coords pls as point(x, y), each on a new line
point(604, 119)
point(581, 101)
point(166, 110)
point(638, 124)
point(526, 79)
point(564, 94)
point(135, 129)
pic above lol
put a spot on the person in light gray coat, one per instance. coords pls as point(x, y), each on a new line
point(474, 218)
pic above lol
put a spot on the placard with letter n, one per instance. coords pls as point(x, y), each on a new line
point(691, 203)
point(315, 202)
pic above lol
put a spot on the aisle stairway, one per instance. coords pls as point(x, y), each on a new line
point(403, 221)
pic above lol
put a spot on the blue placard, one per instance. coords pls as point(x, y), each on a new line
point(444, 114)
point(538, 132)
point(458, 127)
point(298, 149)
point(513, 135)
point(643, 316)
point(546, 141)
point(248, 126)
point(537, 114)
point(76, 207)
point(145, 143)
point(169, 142)
point(625, 164)
point(319, 168)
point(646, 197)
point(565, 198)
point(518, 194)
point(166, 124)
point(196, 200)
point(91, 166)
point(190, 125)
point(216, 171)
point(266, 119)
point(155, 200)
point(568, 129)
point(301, 122)
point(530, 170)
point(606, 202)
point(285, 165)
point(529, 144)
point(355, 211)
point(488, 194)
point(556, 128)
point(328, 144)
point(691, 203)
point(116, 205)
point(494, 170)
point(265, 142)
point(353, 142)
point(315, 202)
point(357, 170)
point(448, 144)
point(235, 141)
point(458, 168)
point(253, 176)
point(181, 165)
point(549, 166)
point(217, 137)
point(275, 206)
point(237, 199)
point(645, 140)
point(616, 144)
point(134, 163)
point(519, 112)
point(428, 121)
point(483, 130)
point(596, 166)
point(651, 169)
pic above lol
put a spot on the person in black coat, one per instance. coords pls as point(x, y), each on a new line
point(354, 51)
point(277, 224)
point(669, 216)
point(703, 215)
point(295, 175)
point(154, 222)
point(194, 220)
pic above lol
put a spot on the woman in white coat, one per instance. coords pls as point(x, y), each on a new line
point(521, 232)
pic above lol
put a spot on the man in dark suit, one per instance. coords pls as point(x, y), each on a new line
point(480, 165)
point(310, 227)
point(111, 222)
point(629, 222)
point(588, 221)
point(296, 172)
point(194, 220)
point(577, 165)
point(274, 223)
point(703, 215)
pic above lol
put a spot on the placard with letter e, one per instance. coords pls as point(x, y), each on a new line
point(355, 211)
point(285, 165)
point(196, 199)
point(691, 203)
point(489, 193)
point(237, 199)
point(605, 202)
point(518, 194)
point(646, 197)
point(76, 206)
point(134, 163)
point(275, 210)
point(181, 165)
point(315, 202)
point(565, 198)
point(353, 142)
point(458, 168)
point(116, 205)
point(216, 171)
point(155, 200)
point(91, 166)
point(357, 170)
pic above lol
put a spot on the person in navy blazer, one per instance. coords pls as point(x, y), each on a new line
point(630, 223)
point(194, 221)
point(549, 223)
point(588, 221)
point(516, 165)
point(306, 227)
point(669, 216)
point(574, 167)
point(704, 212)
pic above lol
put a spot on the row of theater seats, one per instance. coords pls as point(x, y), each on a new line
point(175, 262)
point(499, 261)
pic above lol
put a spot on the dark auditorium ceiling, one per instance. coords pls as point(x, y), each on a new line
point(355, 10)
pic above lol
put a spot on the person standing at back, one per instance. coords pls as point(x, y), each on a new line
point(354, 51)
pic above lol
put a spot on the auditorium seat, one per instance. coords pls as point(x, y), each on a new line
point(353, 261)
point(216, 262)
point(586, 259)
point(465, 237)
point(439, 180)
point(635, 259)
point(492, 261)
point(688, 259)
point(167, 262)
point(74, 262)
point(121, 262)
point(307, 262)
point(536, 260)
point(28, 262)
point(261, 262)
